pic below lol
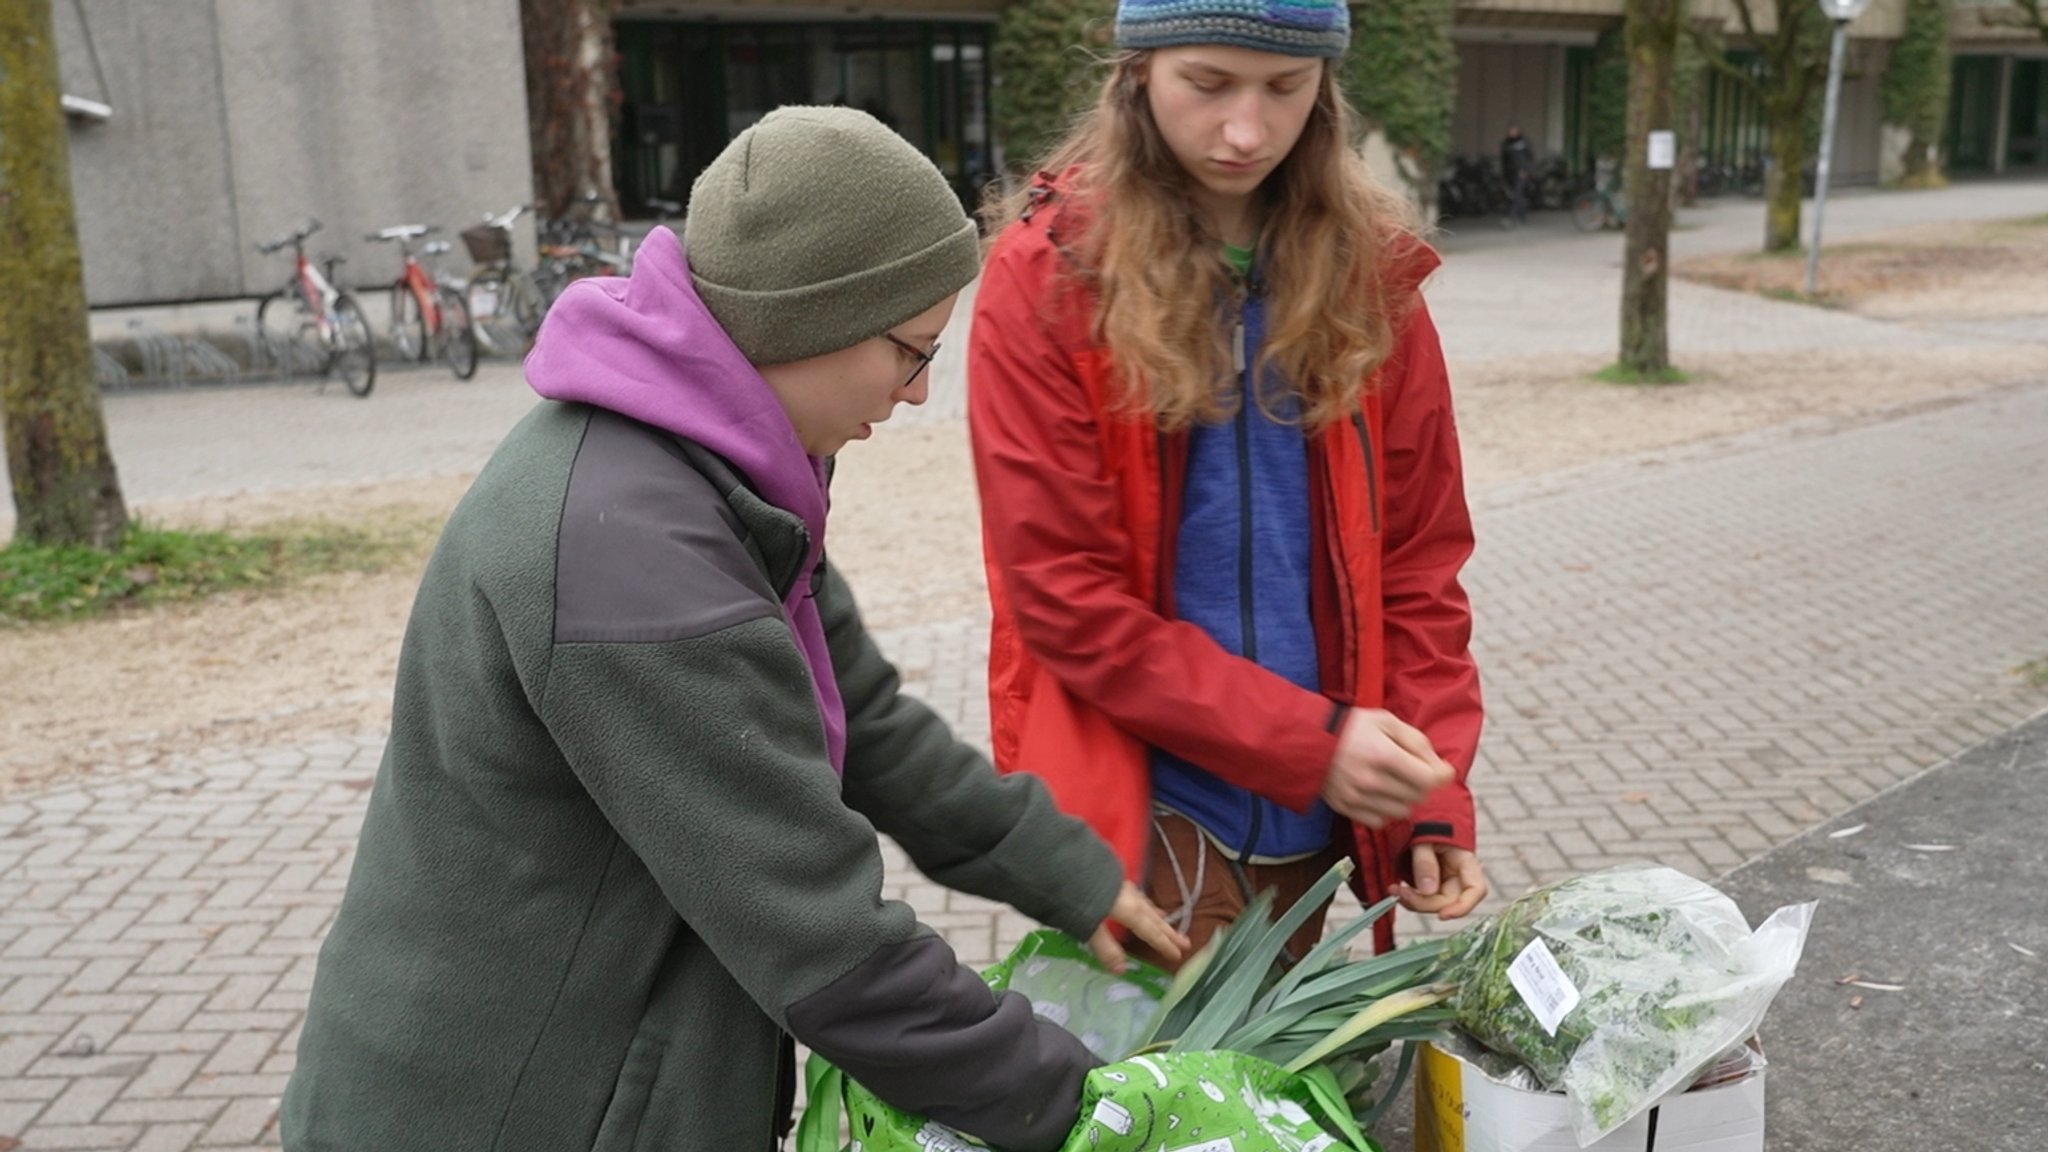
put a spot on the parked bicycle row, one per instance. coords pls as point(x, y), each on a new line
point(1473, 186)
point(313, 324)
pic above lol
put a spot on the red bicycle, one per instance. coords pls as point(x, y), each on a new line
point(310, 316)
point(429, 319)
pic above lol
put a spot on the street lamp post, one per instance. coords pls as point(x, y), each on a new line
point(1841, 12)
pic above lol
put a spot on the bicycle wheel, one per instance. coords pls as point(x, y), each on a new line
point(498, 312)
point(1589, 211)
point(408, 324)
point(457, 337)
point(350, 347)
point(273, 342)
point(527, 305)
point(285, 339)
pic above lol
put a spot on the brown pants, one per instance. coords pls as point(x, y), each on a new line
point(1200, 889)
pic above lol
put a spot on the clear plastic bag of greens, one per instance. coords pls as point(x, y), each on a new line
point(1110, 1013)
point(1622, 986)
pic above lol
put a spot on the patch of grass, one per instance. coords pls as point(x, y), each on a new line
point(160, 565)
point(2034, 672)
point(1620, 374)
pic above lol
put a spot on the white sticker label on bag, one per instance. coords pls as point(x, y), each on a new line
point(1549, 993)
point(1114, 1117)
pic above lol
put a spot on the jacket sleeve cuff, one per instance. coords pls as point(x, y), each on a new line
point(927, 1036)
point(1446, 817)
point(1096, 888)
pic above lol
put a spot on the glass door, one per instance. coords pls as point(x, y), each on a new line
point(1973, 114)
point(2027, 142)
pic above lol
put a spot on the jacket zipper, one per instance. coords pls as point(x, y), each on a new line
point(1247, 621)
point(1251, 840)
point(1244, 490)
point(1372, 478)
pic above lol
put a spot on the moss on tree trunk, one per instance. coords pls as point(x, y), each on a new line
point(1794, 61)
point(1783, 185)
point(61, 472)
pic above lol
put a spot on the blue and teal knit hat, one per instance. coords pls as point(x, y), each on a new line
point(1289, 27)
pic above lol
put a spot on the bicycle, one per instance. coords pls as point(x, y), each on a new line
point(429, 319)
point(310, 310)
point(595, 244)
point(505, 300)
point(1599, 207)
point(1553, 180)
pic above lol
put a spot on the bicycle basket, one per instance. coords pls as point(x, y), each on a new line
point(488, 244)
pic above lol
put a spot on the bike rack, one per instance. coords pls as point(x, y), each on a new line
point(107, 372)
point(167, 360)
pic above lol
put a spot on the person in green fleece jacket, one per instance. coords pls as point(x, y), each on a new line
point(622, 846)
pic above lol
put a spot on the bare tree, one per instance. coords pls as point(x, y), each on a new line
point(571, 91)
point(1793, 69)
point(59, 468)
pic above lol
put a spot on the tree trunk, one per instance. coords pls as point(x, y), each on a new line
point(1784, 184)
point(570, 87)
point(1652, 35)
point(62, 475)
point(1922, 165)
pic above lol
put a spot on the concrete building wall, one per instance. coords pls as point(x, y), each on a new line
point(1502, 83)
point(235, 120)
point(1859, 127)
point(153, 184)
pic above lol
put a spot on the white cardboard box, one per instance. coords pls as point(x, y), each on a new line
point(1459, 1108)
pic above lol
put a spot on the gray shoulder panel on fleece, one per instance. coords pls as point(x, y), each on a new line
point(649, 551)
point(927, 1035)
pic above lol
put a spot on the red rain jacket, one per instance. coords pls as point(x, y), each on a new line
point(1087, 668)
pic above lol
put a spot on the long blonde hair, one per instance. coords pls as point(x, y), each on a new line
point(1161, 281)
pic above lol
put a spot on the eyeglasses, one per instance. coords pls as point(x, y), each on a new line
point(924, 358)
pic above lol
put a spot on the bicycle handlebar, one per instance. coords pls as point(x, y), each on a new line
point(290, 239)
point(403, 232)
point(504, 219)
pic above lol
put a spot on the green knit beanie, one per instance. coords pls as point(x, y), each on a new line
point(818, 228)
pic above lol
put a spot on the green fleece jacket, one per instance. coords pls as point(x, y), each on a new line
point(607, 869)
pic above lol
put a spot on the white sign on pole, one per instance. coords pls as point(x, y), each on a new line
point(1663, 149)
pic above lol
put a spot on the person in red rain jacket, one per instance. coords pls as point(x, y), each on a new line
point(1223, 509)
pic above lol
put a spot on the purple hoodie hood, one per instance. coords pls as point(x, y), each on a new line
point(647, 348)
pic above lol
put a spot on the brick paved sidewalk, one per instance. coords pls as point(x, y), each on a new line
point(1690, 656)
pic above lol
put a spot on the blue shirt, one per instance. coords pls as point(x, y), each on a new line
point(1241, 574)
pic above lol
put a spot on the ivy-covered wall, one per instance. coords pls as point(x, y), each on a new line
point(1402, 76)
point(1047, 57)
point(1607, 105)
